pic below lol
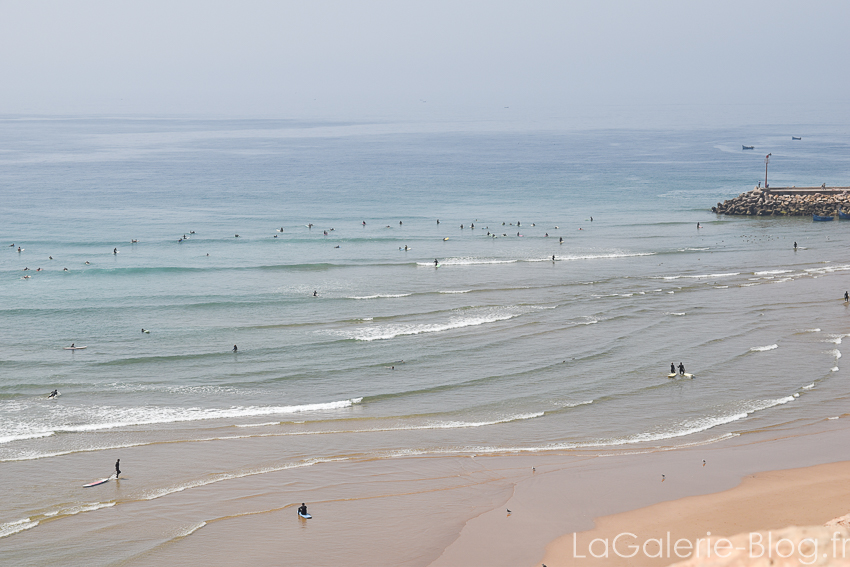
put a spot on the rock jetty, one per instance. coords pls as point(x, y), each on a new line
point(760, 202)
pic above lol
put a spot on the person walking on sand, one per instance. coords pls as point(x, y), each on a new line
point(117, 468)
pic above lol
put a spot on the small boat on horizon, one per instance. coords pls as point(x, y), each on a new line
point(796, 138)
point(821, 218)
point(743, 147)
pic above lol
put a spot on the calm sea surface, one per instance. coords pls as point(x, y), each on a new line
point(499, 349)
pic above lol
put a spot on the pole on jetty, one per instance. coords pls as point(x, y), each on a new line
point(766, 161)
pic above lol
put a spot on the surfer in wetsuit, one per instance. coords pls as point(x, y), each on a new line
point(302, 510)
point(681, 369)
point(436, 263)
point(846, 297)
point(234, 348)
point(117, 468)
point(795, 245)
point(672, 368)
point(53, 394)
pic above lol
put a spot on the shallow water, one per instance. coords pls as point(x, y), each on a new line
point(499, 349)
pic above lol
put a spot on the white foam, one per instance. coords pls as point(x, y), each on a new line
point(458, 291)
point(259, 424)
point(763, 348)
point(677, 314)
point(834, 369)
point(469, 319)
point(835, 352)
point(230, 476)
point(772, 272)
point(109, 417)
point(809, 387)
point(380, 295)
point(811, 330)
point(11, 528)
point(74, 510)
point(8, 438)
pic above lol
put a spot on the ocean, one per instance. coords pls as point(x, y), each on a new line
point(571, 274)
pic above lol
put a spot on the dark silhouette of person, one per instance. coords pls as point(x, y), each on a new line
point(117, 468)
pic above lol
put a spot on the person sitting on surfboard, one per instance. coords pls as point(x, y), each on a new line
point(72, 345)
point(302, 510)
point(117, 468)
point(681, 369)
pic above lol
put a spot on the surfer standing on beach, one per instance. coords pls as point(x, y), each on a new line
point(117, 468)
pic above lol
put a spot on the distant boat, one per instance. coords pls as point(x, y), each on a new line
point(820, 218)
point(843, 216)
point(747, 147)
point(796, 138)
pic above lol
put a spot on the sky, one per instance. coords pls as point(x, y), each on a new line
point(346, 60)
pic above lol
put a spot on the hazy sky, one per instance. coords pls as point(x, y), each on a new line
point(337, 59)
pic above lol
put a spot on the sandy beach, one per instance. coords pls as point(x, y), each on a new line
point(745, 485)
point(452, 511)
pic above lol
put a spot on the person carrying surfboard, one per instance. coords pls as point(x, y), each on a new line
point(117, 468)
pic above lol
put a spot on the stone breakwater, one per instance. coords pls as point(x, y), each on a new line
point(759, 202)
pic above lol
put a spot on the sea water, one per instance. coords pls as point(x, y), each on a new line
point(570, 274)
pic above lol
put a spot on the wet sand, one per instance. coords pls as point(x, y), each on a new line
point(452, 510)
point(568, 497)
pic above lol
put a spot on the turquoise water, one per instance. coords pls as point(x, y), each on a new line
point(500, 349)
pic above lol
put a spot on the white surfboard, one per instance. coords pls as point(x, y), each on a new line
point(672, 375)
point(74, 347)
point(305, 516)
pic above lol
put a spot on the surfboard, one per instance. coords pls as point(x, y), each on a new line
point(97, 482)
point(686, 375)
point(672, 375)
point(305, 516)
point(74, 347)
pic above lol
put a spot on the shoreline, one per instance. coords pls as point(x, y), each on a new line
point(565, 498)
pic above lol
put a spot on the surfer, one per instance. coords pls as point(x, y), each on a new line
point(681, 369)
point(436, 262)
point(53, 394)
point(672, 368)
point(560, 240)
point(234, 348)
point(553, 257)
point(795, 245)
point(315, 293)
point(364, 223)
point(117, 468)
point(698, 226)
point(72, 345)
point(302, 510)
point(115, 250)
point(846, 297)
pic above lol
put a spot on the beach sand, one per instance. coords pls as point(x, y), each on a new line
point(451, 511)
point(733, 492)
